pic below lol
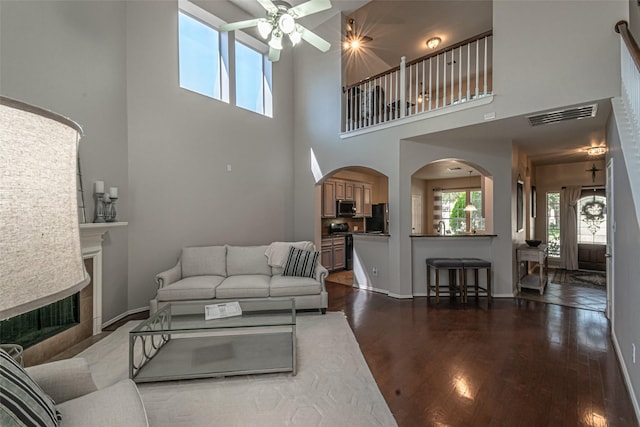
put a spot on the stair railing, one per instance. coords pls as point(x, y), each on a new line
point(455, 74)
point(628, 109)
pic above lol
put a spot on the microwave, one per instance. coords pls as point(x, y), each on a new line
point(345, 208)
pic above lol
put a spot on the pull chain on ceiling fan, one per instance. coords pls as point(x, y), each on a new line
point(281, 21)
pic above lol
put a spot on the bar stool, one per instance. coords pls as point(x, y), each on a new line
point(476, 264)
point(454, 266)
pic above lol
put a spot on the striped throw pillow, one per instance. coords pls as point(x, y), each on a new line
point(22, 401)
point(301, 263)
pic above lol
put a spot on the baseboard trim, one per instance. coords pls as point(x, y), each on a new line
point(625, 375)
point(398, 296)
point(123, 315)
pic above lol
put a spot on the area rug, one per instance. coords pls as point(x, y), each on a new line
point(333, 386)
point(580, 277)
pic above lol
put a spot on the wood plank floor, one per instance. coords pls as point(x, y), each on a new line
point(519, 363)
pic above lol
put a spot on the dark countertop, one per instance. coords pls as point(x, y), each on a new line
point(371, 234)
point(448, 236)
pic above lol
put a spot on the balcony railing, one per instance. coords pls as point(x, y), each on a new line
point(457, 74)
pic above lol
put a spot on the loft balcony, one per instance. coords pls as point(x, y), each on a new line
point(460, 73)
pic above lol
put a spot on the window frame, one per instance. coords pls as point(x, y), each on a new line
point(554, 246)
point(212, 21)
point(468, 215)
point(227, 60)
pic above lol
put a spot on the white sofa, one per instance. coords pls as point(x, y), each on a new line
point(228, 272)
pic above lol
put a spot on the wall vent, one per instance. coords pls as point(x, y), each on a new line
point(563, 115)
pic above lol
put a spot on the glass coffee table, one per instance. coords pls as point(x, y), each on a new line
point(177, 342)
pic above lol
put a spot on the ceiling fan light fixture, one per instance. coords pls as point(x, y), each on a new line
point(295, 37)
point(433, 42)
point(286, 23)
point(276, 40)
point(264, 28)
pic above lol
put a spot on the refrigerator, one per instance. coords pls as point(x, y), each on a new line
point(379, 221)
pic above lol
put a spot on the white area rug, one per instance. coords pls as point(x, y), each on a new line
point(333, 387)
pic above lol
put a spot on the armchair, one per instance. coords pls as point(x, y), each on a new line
point(70, 385)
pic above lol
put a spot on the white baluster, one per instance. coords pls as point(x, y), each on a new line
point(477, 67)
point(486, 87)
point(437, 81)
point(460, 74)
point(469, 72)
point(403, 77)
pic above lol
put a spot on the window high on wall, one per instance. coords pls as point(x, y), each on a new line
point(253, 79)
point(199, 51)
point(205, 66)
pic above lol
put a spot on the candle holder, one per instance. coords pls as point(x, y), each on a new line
point(100, 211)
point(111, 210)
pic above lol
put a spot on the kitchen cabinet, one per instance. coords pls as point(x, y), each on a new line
point(348, 190)
point(333, 253)
point(340, 190)
point(329, 199)
point(366, 201)
point(358, 192)
point(532, 267)
point(362, 198)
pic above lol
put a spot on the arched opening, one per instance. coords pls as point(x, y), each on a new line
point(451, 197)
point(353, 200)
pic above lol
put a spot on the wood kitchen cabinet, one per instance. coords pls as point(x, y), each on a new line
point(333, 253)
point(329, 199)
point(340, 187)
point(348, 190)
point(362, 198)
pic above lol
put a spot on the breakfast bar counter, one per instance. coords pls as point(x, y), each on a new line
point(425, 246)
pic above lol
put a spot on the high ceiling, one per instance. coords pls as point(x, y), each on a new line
point(401, 28)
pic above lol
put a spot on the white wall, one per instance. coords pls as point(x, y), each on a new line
point(626, 296)
point(554, 53)
point(180, 144)
point(69, 57)
point(634, 19)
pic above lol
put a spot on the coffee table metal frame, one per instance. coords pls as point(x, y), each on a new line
point(178, 343)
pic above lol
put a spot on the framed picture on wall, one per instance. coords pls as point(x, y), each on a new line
point(520, 205)
point(533, 201)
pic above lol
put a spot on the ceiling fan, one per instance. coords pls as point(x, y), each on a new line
point(281, 21)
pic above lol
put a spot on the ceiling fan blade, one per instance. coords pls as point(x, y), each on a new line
point(274, 54)
point(268, 5)
point(239, 25)
point(315, 40)
point(307, 8)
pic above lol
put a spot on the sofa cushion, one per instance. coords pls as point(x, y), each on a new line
point(282, 286)
point(23, 402)
point(247, 260)
point(191, 288)
point(116, 405)
point(204, 261)
point(244, 286)
point(301, 263)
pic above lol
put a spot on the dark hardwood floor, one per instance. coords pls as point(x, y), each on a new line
point(518, 363)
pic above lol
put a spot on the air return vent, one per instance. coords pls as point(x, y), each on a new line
point(563, 115)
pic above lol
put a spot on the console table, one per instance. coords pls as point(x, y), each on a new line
point(530, 278)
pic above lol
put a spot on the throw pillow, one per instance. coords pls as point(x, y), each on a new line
point(301, 263)
point(22, 401)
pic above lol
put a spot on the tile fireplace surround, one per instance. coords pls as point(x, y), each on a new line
point(91, 237)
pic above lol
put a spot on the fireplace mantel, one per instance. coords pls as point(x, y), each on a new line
point(91, 237)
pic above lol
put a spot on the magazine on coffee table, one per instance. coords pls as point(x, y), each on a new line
point(219, 311)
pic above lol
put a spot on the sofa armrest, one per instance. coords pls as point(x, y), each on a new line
point(321, 274)
point(168, 277)
point(65, 379)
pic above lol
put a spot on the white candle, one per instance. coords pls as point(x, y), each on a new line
point(99, 186)
point(113, 192)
